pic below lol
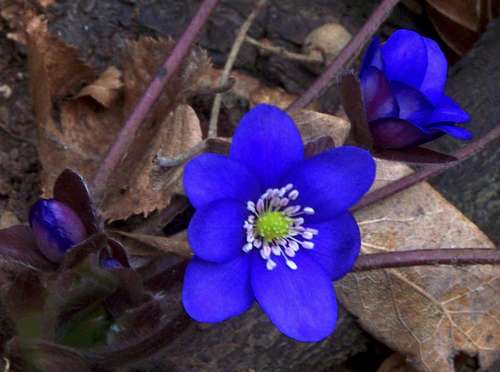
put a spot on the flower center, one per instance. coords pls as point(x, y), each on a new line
point(272, 225)
point(276, 229)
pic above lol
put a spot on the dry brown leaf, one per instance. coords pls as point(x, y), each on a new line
point(151, 245)
point(106, 88)
point(46, 3)
point(149, 187)
point(460, 22)
point(81, 136)
point(426, 313)
point(8, 219)
point(314, 124)
point(395, 363)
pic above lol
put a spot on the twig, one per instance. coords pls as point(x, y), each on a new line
point(426, 257)
point(283, 52)
point(124, 139)
point(231, 59)
point(429, 171)
point(174, 161)
point(346, 55)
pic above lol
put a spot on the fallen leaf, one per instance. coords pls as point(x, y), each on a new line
point(106, 88)
point(460, 22)
point(8, 219)
point(396, 363)
point(314, 124)
point(145, 187)
point(80, 136)
point(428, 313)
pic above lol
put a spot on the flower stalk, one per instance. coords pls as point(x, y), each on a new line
point(428, 257)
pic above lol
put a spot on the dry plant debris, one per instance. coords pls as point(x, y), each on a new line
point(427, 313)
point(79, 114)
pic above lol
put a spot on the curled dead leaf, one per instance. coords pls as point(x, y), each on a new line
point(106, 88)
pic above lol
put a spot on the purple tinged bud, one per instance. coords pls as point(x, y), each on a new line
point(56, 227)
point(110, 263)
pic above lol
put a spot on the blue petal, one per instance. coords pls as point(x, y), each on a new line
point(210, 177)
point(215, 292)
point(301, 303)
point(333, 181)
point(405, 58)
point(377, 95)
point(397, 133)
point(448, 110)
point(337, 245)
point(216, 231)
point(435, 75)
point(373, 56)
point(268, 143)
point(454, 131)
point(413, 106)
point(56, 227)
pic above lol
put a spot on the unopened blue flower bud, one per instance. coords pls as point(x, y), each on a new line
point(56, 227)
point(111, 263)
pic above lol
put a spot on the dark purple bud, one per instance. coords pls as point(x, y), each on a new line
point(396, 134)
point(56, 227)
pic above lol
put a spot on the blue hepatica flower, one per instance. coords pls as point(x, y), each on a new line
point(272, 226)
point(403, 84)
point(56, 228)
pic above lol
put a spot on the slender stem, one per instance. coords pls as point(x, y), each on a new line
point(124, 139)
point(231, 59)
point(428, 171)
point(420, 257)
point(346, 55)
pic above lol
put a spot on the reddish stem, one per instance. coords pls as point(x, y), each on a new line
point(429, 171)
point(346, 55)
point(420, 257)
point(124, 139)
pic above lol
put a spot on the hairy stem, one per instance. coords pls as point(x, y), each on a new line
point(346, 55)
point(421, 257)
point(126, 136)
point(428, 171)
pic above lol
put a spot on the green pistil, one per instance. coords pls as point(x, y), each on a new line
point(273, 225)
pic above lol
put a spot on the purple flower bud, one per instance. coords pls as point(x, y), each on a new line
point(110, 263)
point(403, 82)
point(56, 227)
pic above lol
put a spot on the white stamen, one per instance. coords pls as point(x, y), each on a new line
point(308, 210)
point(308, 245)
point(278, 200)
point(270, 264)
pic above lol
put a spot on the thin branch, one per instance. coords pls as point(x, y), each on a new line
point(426, 257)
point(283, 52)
point(231, 59)
point(346, 55)
point(126, 136)
point(428, 171)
